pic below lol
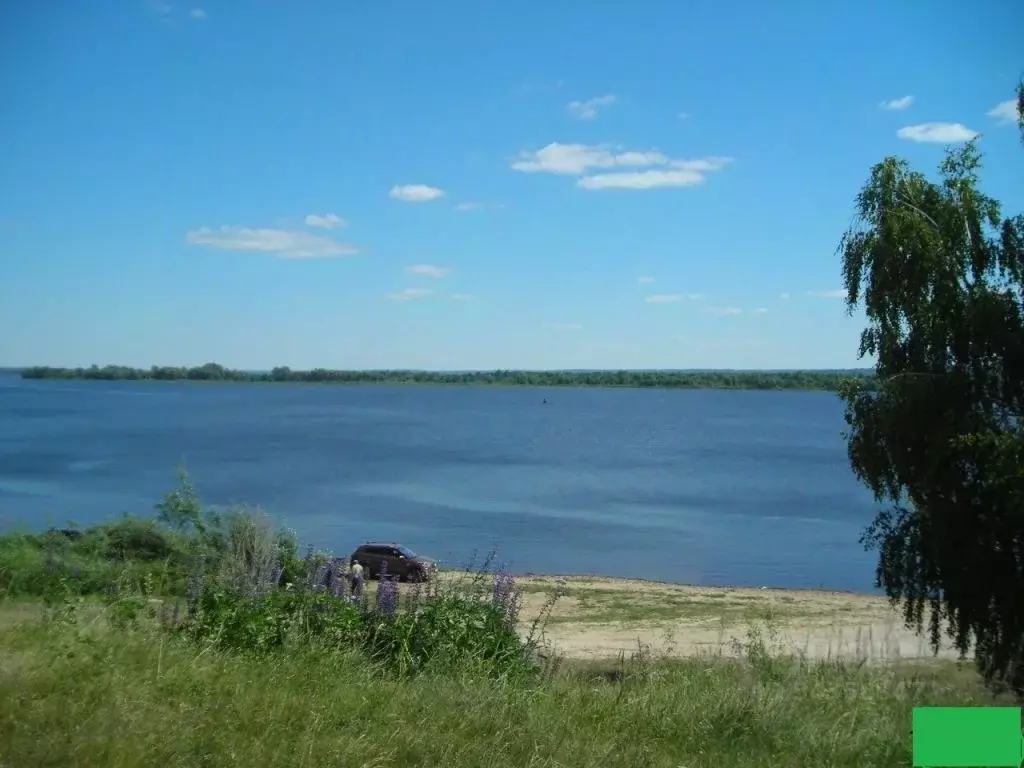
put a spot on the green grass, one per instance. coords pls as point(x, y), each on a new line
point(85, 695)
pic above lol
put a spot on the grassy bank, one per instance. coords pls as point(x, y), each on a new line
point(84, 695)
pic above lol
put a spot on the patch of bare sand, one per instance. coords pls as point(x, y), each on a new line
point(602, 617)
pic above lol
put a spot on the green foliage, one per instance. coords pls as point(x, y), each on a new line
point(228, 569)
point(430, 632)
point(797, 380)
point(229, 619)
point(940, 274)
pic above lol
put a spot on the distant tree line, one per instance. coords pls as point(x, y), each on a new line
point(804, 380)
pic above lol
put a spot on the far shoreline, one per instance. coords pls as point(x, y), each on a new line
point(822, 380)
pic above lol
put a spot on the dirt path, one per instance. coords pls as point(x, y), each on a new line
point(597, 618)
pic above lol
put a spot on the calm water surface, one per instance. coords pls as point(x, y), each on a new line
point(705, 487)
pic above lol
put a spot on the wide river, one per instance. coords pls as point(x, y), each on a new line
point(701, 487)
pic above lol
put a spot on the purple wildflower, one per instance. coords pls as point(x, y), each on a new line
point(76, 572)
point(387, 596)
point(336, 579)
point(271, 579)
point(195, 589)
point(505, 596)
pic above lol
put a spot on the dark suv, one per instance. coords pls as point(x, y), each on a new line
point(398, 561)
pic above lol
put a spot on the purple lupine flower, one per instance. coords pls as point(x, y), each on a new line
point(387, 596)
point(337, 578)
point(271, 578)
point(319, 578)
point(177, 613)
point(76, 572)
point(195, 589)
point(506, 597)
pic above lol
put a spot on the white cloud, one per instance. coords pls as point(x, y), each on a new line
point(937, 133)
point(579, 159)
point(1004, 112)
point(283, 243)
point(645, 280)
point(664, 298)
point(462, 296)
point(576, 159)
point(409, 293)
point(897, 104)
point(723, 311)
point(160, 8)
point(835, 293)
point(564, 326)
point(641, 180)
point(197, 13)
point(415, 193)
point(427, 270)
point(327, 221)
point(587, 110)
point(759, 311)
point(784, 295)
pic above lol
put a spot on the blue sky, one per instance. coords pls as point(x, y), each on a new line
point(457, 185)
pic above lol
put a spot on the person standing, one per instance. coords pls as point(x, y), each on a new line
point(357, 579)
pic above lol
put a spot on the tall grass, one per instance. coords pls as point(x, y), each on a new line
point(83, 694)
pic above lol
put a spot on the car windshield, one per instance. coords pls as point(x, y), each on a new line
point(406, 552)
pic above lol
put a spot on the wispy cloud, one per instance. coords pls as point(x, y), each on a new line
point(645, 280)
point(475, 205)
point(409, 294)
point(160, 8)
point(587, 110)
point(197, 13)
point(427, 270)
point(785, 295)
point(1004, 112)
point(937, 133)
point(672, 298)
point(835, 293)
point(580, 159)
point(461, 296)
point(283, 243)
point(759, 311)
point(564, 326)
point(724, 311)
point(415, 193)
point(327, 221)
point(897, 104)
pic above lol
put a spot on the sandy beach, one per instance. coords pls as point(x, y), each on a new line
point(603, 617)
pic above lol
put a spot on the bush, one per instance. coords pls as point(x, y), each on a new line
point(427, 630)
